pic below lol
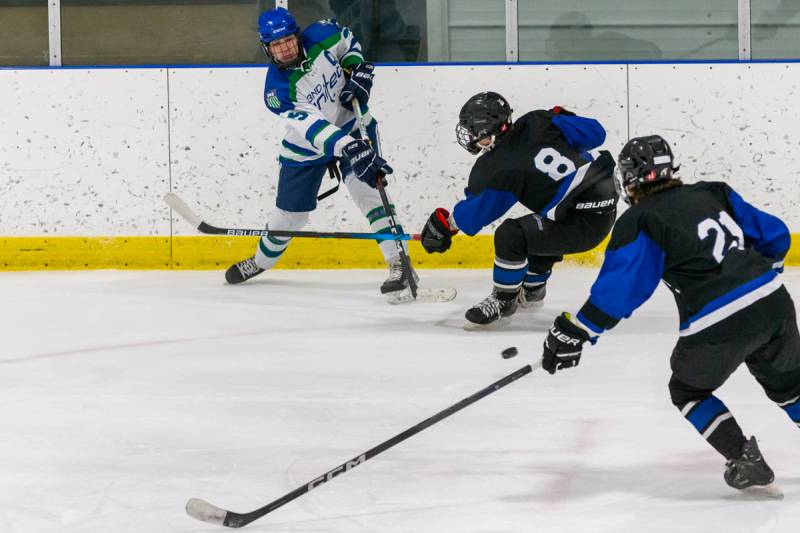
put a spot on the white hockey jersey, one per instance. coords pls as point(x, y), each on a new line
point(318, 126)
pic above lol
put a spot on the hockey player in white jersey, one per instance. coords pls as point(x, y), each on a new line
point(313, 80)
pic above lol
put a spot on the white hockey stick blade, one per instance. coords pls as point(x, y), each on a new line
point(436, 295)
point(205, 512)
point(175, 202)
point(424, 295)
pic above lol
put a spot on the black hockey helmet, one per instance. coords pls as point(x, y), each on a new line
point(644, 160)
point(484, 115)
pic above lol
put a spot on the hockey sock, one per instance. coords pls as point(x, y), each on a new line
point(509, 275)
point(792, 408)
point(270, 250)
point(379, 223)
point(716, 424)
point(533, 280)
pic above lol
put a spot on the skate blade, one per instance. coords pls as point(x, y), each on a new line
point(767, 492)
point(424, 295)
point(500, 323)
point(530, 306)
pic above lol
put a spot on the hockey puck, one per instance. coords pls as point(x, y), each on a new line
point(508, 353)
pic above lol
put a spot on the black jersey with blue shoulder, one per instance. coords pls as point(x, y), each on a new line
point(715, 252)
point(547, 163)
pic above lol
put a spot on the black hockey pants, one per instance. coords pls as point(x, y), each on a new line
point(764, 336)
point(544, 242)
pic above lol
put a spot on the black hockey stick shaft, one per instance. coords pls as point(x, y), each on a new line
point(179, 206)
point(404, 259)
point(248, 232)
point(207, 512)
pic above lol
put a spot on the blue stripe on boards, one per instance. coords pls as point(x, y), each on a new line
point(705, 412)
point(730, 297)
point(260, 64)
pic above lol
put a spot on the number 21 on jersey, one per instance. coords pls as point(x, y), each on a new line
point(726, 233)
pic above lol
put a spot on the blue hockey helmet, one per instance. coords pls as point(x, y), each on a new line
point(276, 23)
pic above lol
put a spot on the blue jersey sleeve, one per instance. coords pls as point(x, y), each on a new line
point(475, 212)
point(276, 92)
point(581, 133)
point(627, 279)
point(767, 233)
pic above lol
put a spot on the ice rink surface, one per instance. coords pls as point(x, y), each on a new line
point(123, 394)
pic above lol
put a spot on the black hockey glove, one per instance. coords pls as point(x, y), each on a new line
point(563, 345)
point(366, 164)
point(437, 235)
point(359, 85)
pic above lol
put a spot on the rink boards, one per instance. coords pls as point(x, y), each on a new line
point(87, 154)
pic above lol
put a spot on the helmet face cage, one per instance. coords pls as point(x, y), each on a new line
point(643, 160)
point(619, 184)
point(276, 24)
point(467, 139)
point(284, 64)
point(484, 115)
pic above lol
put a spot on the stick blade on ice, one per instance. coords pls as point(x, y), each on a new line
point(436, 295)
point(205, 512)
point(424, 295)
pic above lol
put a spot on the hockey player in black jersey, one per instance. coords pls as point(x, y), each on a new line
point(720, 257)
point(546, 161)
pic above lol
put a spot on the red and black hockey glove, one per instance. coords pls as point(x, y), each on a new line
point(437, 235)
point(558, 110)
point(563, 345)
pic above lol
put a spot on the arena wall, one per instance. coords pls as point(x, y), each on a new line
point(86, 155)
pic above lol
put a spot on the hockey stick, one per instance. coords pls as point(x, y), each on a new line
point(206, 512)
point(176, 203)
point(404, 260)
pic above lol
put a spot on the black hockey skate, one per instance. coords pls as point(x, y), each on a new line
point(532, 296)
point(491, 309)
point(396, 286)
point(749, 469)
point(242, 271)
